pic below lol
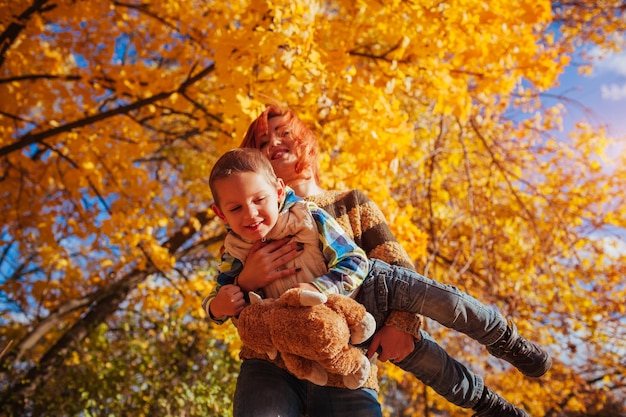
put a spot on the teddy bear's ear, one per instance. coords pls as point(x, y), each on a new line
point(254, 297)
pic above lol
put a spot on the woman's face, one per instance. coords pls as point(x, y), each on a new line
point(279, 147)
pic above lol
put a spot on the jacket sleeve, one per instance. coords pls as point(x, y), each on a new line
point(347, 262)
point(229, 269)
point(375, 236)
point(380, 243)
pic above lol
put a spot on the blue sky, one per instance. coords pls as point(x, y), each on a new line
point(603, 92)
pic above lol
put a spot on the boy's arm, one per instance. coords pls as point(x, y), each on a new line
point(347, 263)
point(341, 253)
point(206, 306)
point(363, 217)
point(229, 269)
point(383, 245)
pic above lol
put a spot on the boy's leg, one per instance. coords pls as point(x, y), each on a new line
point(396, 288)
point(432, 365)
point(525, 355)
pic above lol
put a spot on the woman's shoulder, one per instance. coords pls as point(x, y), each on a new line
point(351, 198)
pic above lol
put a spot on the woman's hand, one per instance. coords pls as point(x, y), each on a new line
point(392, 344)
point(265, 263)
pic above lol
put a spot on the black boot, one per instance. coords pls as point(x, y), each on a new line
point(492, 405)
point(526, 356)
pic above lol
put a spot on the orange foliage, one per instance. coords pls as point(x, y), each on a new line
point(111, 114)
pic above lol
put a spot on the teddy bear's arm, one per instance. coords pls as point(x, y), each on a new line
point(253, 327)
point(361, 323)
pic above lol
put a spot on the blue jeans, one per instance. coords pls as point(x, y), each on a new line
point(265, 390)
point(389, 287)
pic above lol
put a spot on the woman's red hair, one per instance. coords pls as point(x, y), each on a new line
point(305, 141)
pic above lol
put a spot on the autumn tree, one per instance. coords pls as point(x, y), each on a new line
point(112, 112)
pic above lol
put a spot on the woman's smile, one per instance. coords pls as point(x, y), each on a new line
point(278, 153)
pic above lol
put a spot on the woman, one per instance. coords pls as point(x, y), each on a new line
point(292, 149)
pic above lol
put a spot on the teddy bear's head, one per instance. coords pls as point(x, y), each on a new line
point(313, 333)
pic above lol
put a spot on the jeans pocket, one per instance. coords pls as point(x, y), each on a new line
point(368, 296)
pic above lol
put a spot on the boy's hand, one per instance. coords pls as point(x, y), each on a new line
point(228, 302)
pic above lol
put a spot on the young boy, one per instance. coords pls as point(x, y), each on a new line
point(256, 205)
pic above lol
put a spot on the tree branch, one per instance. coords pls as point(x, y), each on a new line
point(32, 138)
point(13, 30)
point(100, 305)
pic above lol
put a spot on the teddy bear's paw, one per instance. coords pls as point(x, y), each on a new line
point(318, 374)
point(363, 330)
point(311, 298)
point(358, 378)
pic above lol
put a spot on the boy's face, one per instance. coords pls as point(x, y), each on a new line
point(248, 204)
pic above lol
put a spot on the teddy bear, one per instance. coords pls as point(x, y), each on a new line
point(313, 333)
